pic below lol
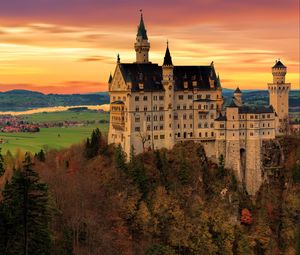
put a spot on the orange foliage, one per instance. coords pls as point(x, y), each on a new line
point(246, 217)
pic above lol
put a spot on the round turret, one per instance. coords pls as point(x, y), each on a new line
point(279, 72)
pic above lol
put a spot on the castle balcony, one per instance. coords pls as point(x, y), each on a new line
point(117, 115)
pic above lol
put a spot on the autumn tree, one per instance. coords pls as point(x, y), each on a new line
point(26, 214)
point(246, 217)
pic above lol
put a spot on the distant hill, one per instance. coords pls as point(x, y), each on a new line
point(20, 100)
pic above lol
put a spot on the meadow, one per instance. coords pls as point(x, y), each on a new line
point(54, 137)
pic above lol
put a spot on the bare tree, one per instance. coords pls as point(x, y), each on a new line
point(145, 137)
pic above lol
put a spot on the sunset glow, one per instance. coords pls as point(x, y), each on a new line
point(63, 46)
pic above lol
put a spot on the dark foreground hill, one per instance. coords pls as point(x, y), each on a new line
point(164, 203)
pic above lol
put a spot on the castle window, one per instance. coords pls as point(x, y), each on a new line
point(212, 133)
point(155, 128)
point(191, 125)
point(145, 109)
point(191, 107)
point(155, 118)
point(161, 97)
point(251, 125)
point(199, 125)
point(206, 134)
point(161, 117)
point(251, 116)
point(178, 107)
point(114, 98)
point(200, 134)
point(251, 133)
point(155, 107)
point(256, 116)
point(178, 135)
point(199, 96)
point(199, 106)
point(184, 107)
point(137, 129)
point(180, 97)
point(190, 96)
point(137, 119)
point(178, 126)
point(211, 125)
point(207, 96)
point(155, 137)
point(222, 125)
point(161, 127)
point(205, 125)
point(137, 109)
point(263, 133)
point(212, 116)
point(233, 126)
point(184, 125)
point(191, 134)
point(148, 128)
point(175, 116)
point(191, 116)
point(268, 124)
point(170, 125)
point(155, 98)
point(212, 106)
point(184, 116)
point(233, 117)
point(263, 116)
point(232, 134)
point(148, 118)
point(268, 115)
point(161, 108)
point(162, 136)
point(137, 98)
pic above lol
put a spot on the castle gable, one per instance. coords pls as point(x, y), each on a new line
point(118, 82)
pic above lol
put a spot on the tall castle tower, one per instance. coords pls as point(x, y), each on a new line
point(168, 83)
point(279, 92)
point(142, 46)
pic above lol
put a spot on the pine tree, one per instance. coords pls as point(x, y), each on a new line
point(26, 213)
point(183, 173)
point(2, 169)
point(41, 156)
point(120, 158)
point(137, 172)
point(94, 145)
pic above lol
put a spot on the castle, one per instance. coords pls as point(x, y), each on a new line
point(154, 107)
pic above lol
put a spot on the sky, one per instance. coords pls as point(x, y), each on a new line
point(70, 46)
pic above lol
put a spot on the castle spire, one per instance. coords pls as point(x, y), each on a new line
point(167, 58)
point(142, 46)
point(141, 28)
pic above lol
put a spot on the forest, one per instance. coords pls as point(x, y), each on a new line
point(88, 200)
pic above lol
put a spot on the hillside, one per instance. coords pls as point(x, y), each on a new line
point(20, 100)
point(166, 203)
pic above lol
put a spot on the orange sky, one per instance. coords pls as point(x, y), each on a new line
point(63, 46)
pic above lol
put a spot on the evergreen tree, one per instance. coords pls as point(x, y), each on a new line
point(221, 167)
point(94, 145)
point(137, 172)
point(26, 213)
point(183, 173)
point(2, 170)
point(41, 156)
point(120, 158)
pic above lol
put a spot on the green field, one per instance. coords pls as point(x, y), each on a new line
point(82, 116)
point(57, 137)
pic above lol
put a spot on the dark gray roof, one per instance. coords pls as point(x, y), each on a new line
point(110, 79)
point(142, 30)
point(232, 104)
point(151, 76)
point(221, 118)
point(256, 109)
point(168, 58)
point(148, 74)
point(201, 74)
point(238, 91)
point(279, 64)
